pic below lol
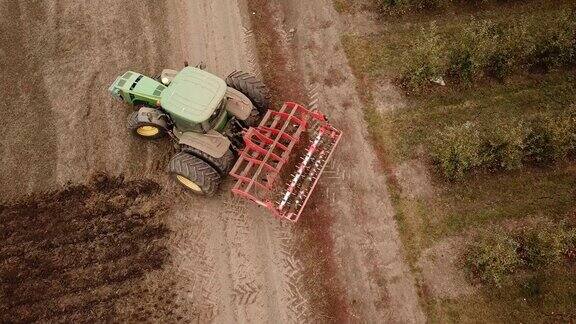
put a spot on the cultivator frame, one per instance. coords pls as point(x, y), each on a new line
point(268, 159)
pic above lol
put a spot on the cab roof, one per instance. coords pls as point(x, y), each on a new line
point(193, 95)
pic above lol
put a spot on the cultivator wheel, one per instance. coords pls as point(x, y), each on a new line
point(283, 159)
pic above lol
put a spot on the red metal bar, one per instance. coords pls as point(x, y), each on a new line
point(295, 216)
point(253, 165)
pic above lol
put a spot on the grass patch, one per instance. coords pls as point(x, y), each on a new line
point(484, 198)
point(398, 7)
point(523, 97)
point(343, 6)
point(530, 298)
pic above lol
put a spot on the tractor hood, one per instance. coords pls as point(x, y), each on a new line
point(193, 95)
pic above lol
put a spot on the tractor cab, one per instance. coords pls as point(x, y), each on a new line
point(194, 99)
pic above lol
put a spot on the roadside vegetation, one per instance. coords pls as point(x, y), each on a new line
point(398, 7)
point(490, 112)
point(486, 48)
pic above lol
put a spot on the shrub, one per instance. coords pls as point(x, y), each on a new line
point(563, 136)
point(502, 146)
point(571, 141)
point(550, 139)
point(539, 145)
point(462, 61)
point(551, 43)
point(400, 6)
point(541, 243)
point(457, 150)
point(570, 244)
point(426, 62)
point(494, 49)
point(492, 257)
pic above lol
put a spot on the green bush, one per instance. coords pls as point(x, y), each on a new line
point(494, 254)
point(492, 257)
point(570, 243)
point(563, 134)
point(551, 139)
point(494, 49)
point(502, 146)
point(539, 145)
point(457, 150)
point(550, 43)
point(400, 6)
point(462, 63)
point(426, 62)
point(541, 243)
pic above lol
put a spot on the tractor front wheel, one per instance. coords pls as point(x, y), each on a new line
point(194, 174)
point(145, 130)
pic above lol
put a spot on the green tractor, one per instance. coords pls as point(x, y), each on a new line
point(203, 114)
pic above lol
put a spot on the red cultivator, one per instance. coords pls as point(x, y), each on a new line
point(283, 159)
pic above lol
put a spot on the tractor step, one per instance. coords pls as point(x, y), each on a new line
point(283, 159)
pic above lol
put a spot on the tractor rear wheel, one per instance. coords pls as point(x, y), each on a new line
point(223, 164)
point(252, 87)
point(147, 130)
point(194, 174)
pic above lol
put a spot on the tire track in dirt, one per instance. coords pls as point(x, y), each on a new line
point(27, 135)
point(367, 246)
point(231, 257)
point(217, 268)
point(224, 246)
point(287, 249)
point(315, 294)
point(60, 57)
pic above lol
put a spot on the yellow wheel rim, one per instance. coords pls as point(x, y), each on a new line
point(147, 130)
point(188, 183)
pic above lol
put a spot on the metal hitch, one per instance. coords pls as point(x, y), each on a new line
point(283, 159)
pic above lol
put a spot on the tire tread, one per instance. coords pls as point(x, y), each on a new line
point(197, 170)
point(252, 87)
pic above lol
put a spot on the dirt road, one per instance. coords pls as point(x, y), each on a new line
point(174, 256)
point(379, 286)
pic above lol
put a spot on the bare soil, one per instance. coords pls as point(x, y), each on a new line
point(69, 256)
point(441, 270)
point(366, 248)
point(313, 242)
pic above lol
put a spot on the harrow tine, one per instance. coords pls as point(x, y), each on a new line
point(286, 125)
